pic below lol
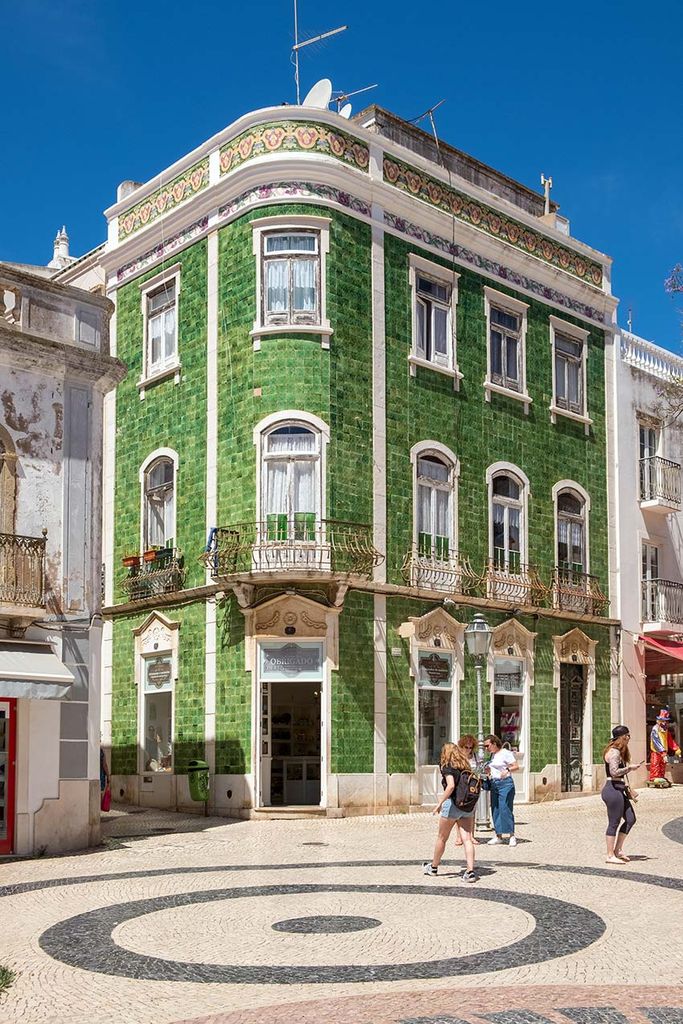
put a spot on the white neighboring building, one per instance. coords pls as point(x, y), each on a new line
point(648, 535)
point(54, 372)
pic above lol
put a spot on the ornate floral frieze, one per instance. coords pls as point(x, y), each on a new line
point(293, 136)
point(471, 211)
point(280, 190)
point(164, 199)
point(499, 270)
point(162, 250)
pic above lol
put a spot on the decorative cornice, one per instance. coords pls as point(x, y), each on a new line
point(280, 191)
point(492, 267)
point(162, 250)
point(436, 193)
point(290, 136)
point(186, 185)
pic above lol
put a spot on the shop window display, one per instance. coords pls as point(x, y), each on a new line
point(508, 697)
point(158, 715)
point(435, 685)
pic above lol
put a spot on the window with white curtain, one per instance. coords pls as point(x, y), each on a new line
point(507, 512)
point(434, 507)
point(571, 532)
point(159, 497)
point(433, 335)
point(291, 493)
point(291, 277)
point(162, 330)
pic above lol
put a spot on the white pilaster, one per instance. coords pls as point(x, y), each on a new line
point(211, 491)
point(108, 485)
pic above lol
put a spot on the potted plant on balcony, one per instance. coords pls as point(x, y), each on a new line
point(149, 555)
point(130, 561)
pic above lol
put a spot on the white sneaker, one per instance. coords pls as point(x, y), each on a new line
point(496, 841)
point(512, 841)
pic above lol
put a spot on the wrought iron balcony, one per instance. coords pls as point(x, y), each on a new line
point(577, 592)
point(149, 577)
point(508, 579)
point(662, 602)
point(299, 543)
point(436, 568)
point(660, 483)
point(22, 570)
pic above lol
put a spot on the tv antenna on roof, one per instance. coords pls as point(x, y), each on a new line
point(307, 42)
point(343, 107)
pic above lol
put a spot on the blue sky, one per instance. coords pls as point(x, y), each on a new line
point(589, 93)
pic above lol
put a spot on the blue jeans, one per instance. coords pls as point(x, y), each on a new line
point(502, 799)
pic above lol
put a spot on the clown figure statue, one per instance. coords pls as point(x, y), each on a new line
point(662, 743)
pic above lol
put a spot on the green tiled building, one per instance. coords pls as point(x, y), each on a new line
point(365, 401)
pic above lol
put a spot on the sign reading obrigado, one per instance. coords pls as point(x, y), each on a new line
point(291, 660)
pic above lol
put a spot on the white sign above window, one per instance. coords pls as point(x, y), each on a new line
point(285, 662)
point(158, 674)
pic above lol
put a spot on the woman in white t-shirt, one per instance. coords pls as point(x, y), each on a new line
point(500, 767)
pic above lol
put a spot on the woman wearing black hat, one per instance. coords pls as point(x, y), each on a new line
point(620, 814)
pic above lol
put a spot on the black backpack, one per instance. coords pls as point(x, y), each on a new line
point(467, 791)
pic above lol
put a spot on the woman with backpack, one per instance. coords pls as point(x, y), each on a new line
point(461, 788)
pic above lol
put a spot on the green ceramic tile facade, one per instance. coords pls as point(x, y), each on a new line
point(189, 704)
point(353, 689)
point(233, 692)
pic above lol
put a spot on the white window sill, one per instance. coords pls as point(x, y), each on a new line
point(323, 330)
point(555, 411)
point(154, 378)
point(416, 361)
point(498, 389)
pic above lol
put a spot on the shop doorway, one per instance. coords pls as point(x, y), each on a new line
point(572, 703)
point(8, 711)
point(290, 767)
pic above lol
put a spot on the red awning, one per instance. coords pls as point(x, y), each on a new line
point(662, 657)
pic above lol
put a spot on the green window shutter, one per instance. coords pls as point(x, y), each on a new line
point(304, 525)
point(442, 548)
point(276, 526)
point(424, 545)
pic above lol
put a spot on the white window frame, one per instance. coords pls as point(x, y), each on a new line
point(171, 367)
point(655, 545)
point(558, 489)
point(421, 267)
point(157, 637)
point(160, 453)
point(500, 300)
point(287, 418)
point(452, 689)
point(448, 457)
point(508, 469)
point(295, 224)
point(579, 335)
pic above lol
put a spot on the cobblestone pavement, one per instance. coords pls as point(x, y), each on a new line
point(208, 921)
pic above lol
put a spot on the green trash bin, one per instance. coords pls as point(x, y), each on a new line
point(198, 780)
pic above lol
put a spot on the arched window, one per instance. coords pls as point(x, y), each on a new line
point(571, 531)
point(291, 493)
point(434, 507)
point(507, 522)
point(159, 503)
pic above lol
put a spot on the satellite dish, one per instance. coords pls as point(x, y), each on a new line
point(345, 110)
point(320, 95)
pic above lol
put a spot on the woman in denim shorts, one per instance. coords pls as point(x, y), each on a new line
point(454, 759)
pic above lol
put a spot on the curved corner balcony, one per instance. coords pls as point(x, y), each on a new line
point(448, 573)
point(578, 592)
point(299, 544)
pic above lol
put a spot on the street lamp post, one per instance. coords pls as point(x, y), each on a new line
point(478, 637)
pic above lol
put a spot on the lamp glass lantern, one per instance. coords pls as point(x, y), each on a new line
point(478, 636)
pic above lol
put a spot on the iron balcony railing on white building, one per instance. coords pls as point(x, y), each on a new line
point(300, 543)
point(660, 482)
point(662, 602)
point(22, 570)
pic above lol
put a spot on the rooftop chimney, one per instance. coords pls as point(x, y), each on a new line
point(125, 189)
point(61, 258)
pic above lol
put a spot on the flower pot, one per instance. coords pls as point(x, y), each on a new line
point(150, 555)
point(130, 560)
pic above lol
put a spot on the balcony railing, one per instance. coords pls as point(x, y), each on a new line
point(660, 481)
point(439, 569)
point(508, 579)
point(22, 570)
point(283, 543)
point(577, 592)
point(149, 577)
point(662, 601)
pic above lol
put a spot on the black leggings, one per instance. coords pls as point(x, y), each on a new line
point(618, 806)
